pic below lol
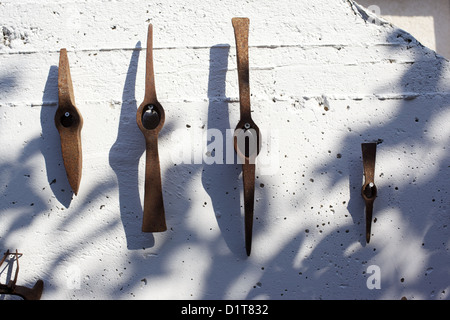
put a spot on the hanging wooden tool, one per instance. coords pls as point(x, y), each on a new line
point(13, 289)
point(150, 119)
point(246, 135)
point(69, 122)
point(369, 190)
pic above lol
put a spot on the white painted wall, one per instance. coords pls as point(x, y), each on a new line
point(324, 78)
point(427, 20)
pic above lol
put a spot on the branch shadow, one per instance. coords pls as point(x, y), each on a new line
point(7, 82)
point(18, 194)
point(406, 130)
point(414, 199)
point(324, 271)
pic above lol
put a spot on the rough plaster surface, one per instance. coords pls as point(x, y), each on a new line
point(325, 77)
point(426, 20)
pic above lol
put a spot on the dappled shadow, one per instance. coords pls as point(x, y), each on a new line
point(6, 82)
point(20, 193)
point(328, 260)
point(435, 13)
point(324, 258)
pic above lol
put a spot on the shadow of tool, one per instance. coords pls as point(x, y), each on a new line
point(51, 143)
point(221, 179)
point(124, 159)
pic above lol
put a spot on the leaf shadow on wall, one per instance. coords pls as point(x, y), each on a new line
point(309, 265)
point(329, 259)
point(21, 194)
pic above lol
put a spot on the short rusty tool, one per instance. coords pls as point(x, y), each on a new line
point(246, 134)
point(369, 190)
point(150, 118)
point(21, 291)
point(69, 122)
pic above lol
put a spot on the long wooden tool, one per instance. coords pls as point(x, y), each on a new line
point(69, 122)
point(150, 119)
point(246, 135)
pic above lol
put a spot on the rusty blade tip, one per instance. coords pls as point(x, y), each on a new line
point(248, 246)
point(75, 189)
point(63, 56)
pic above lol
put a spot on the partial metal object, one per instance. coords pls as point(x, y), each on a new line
point(369, 190)
point(150, 119)
point(246, 135)
point(69, 122)
point(13, 289)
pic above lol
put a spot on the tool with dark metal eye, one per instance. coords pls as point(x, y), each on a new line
point(369, 190)
point(21, 291)
point(246, 135)
point(69, 122)
point(150, 118)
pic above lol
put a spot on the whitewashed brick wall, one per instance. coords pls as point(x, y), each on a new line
point(325, 77)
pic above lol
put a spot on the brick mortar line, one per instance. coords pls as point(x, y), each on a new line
point(222, 46)
point(381, 97)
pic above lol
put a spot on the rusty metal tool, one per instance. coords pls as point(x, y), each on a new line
point(369, 190)
point(150, 119)
point(246, 134)
point(21, 291)
point(69, 122)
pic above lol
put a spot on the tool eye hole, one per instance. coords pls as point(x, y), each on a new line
point(370, 190)
point(150, 117)
point(247, 142)
point(67, 120)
